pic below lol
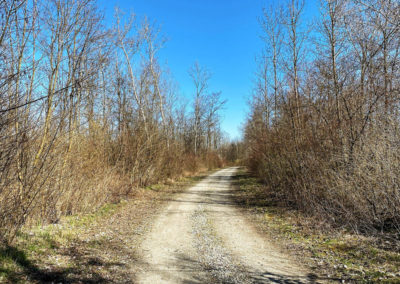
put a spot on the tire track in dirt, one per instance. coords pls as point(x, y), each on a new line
point(201, 237)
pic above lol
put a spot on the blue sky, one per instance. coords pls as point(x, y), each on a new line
point(222, 35)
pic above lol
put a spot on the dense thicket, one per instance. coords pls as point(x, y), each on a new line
point(87, 112)
point(323, 129)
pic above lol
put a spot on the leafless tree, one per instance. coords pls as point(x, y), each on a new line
point(339, 115)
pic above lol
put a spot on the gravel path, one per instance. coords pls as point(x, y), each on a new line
point(201, 237)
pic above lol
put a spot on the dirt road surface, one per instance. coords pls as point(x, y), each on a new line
point(201, 237)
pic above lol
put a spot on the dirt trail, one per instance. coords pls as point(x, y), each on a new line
point(202, 238)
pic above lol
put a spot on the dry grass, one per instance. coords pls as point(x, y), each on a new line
point(88, 248)
point(95, 171)
point(334, 253)
point(357, 190)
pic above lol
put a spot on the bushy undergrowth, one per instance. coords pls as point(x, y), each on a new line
point(92, 173)
point(88, 112)
point(360, 191)
point(335, 254)
point(323, 127)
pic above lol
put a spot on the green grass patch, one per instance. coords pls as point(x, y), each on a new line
point(33, 244)
point(13, 262)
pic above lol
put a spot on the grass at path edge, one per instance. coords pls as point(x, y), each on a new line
point(331, 252)
point(32, 245)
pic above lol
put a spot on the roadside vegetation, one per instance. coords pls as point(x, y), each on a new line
point(91, 122)
point(323, 128)
point(88, 114)
point(97, 247)
point(321, 137)
point(335, 254)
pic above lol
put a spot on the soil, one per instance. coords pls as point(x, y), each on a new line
point(172, 235)
point(202, 237)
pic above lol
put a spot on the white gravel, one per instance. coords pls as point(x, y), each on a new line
point(211, 253)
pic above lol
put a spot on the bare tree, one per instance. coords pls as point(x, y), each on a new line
point(88, 113)
point(273, 37)
point(294, 45)
point(214, 106)
point(200, 77)
point(339, 116)
point(130, 46)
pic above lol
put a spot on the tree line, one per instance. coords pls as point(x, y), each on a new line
point(323, 127)
point(87, 112)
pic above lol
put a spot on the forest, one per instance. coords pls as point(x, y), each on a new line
point(323, 127)
point(101, 152)
point(87, 112)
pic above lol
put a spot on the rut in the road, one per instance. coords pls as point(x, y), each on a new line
point(201, 237)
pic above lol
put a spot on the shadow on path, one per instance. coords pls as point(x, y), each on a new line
point(81, 272)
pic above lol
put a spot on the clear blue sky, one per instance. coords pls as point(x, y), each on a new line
point(222, 35)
